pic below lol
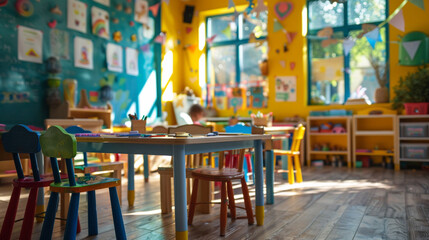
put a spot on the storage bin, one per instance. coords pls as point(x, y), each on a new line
point(415, 151)
point(419, 129)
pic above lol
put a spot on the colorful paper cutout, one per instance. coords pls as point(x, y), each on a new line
point(411, 47)
point(93, 96)
point(231, 4)
point(283, 9)
point(373, 37)
point(24, 8)
point(117, 36)
point(418, 3)
point(30, 44)
point(290, 36)
point(292, 65)
point(83, 53)
point(100, 22)
point(76, 15)
point(141, 9)
point(348, 44)
point(188, 30)
point(211, 39)
point(227, 32)
point(114, 57)
point(277, 26)
point(154, 9)
point(398, 21)
point(56, 10)
point(285, 89)
point(132, 57)
point(52, 24)
point(282, 63)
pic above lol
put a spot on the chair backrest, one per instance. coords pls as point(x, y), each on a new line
point(21, 139)
point(298, 135)
point(57, 143)
point(77, 129)
point(159, 129)
point(191, 128)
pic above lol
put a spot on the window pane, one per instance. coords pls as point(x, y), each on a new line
point(363, 64)
point(250, 56)
point(324, 13)
point(327, 78)
point(252, 23)
point(222, 65)
point(224, 27)
point(364, 11)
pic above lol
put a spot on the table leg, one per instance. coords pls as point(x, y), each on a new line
point(179, 174)
point(131, 193)
point(269, 182)
point(40, 206)
point(259, 183)
point(146, 167)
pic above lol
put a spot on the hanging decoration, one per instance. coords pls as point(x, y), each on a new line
point(282, 63)
point(277, 26)
point(418, 3)
point(283, 10)
point(160, 38)
point(411, 47)
point(292, 65)
point(348, 44)
point(227, 32)
point(261, 7)
point(154, 9)
point(211, 39)
point(52, 24)
point(56, 10)
point(398, 21)
point(188, 30)
point(373, 37)
point(24, 8)
point(290, 36)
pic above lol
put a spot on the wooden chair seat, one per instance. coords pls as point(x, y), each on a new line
point(28, 182)
point(85, 184)
point(214, 174)
point(96, 167)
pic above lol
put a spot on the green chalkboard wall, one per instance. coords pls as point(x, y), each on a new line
point(23, 84)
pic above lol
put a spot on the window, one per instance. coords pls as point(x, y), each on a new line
point(334, 76)
point(233, 60)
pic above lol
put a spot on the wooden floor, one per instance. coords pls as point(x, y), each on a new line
point(332, 203)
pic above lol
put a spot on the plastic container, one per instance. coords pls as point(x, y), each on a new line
point(419, 129)
point(416, 108)
point(415, 151)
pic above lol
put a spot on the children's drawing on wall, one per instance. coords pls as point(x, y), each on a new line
point(30, 44)
point(141, 10)
point(237, 98)
point(59, 41)
point(221, 101)
point(132, 56)
point(83, 53)
point(100, 22)
point(76, 15)
point(114, 57)
point(148, 30)
point(286, 89)
point(104, 2)
point(257, 97)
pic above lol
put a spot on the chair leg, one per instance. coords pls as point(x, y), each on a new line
point(30, 210)
point(188, 190)
point(247, 202)
point(117, 215)
point(48, 223)
point(117, 174)
point(193, 201)
point(231, 200)
point(223, 208)
point(92, 214)
point(165, 185)
point(290, 170)
point(9, 219)
point(71, 225)
point(298, 169)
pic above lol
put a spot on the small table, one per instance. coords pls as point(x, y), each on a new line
point(178, 147)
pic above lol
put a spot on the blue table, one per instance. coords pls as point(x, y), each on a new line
point(178, 148)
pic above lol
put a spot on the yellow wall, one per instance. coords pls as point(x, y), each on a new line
point(415, 20)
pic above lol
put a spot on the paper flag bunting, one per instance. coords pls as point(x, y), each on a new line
point(160, 39)
point(154, 9)
point(282, 63)
point(411, 47)
point(292, 65)
point(348, 44)
point(211, 39)
point(188, 30)
point(227, 32)
point(231, 4)
point(418, 3)
point(145, 47)
point(277, 26)
point(166, 1)
point(373, 37)
point(261, 7)
point(398, 21)
point(290, 36)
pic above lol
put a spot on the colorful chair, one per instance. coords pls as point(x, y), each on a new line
point(293, 154)
point(57, 143)
point(21, 139)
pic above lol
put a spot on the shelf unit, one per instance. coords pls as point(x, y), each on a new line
point(410, 140)
point(374, 132)
point(340, 139)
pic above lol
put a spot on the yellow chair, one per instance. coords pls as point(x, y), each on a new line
point(293, 153)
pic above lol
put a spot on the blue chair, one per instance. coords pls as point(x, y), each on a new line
point(57, 143)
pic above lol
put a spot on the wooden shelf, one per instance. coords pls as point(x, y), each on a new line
point(413, 116)
point(330, 152)
point(327, 134)
point(329, 117)
point(413, 159)
point(375, 133)
point(374, 154)
point(414, 138)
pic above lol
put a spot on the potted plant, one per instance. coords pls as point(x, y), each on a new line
point(412, 92)
point(381, 94)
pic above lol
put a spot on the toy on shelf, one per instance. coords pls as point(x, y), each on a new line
point(326, 127)
point(338, 128)
point(314, 129)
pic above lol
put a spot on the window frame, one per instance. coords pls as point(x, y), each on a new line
point(236, 42)
point(346, 29)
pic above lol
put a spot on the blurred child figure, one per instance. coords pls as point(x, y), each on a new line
point(197, 113)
